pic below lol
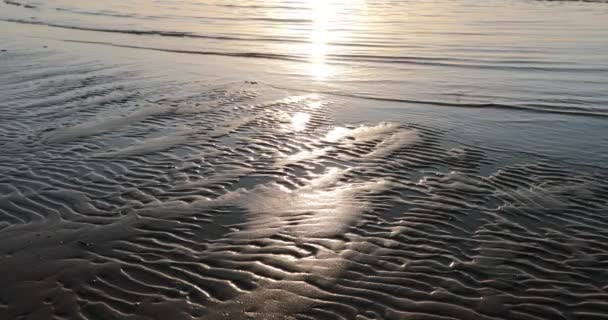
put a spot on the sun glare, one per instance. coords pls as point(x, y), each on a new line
point(323, 16)
point(299, 121)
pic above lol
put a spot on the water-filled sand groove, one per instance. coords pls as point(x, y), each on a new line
point(239, 201)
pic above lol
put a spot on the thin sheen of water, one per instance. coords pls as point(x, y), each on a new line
point(537, 55)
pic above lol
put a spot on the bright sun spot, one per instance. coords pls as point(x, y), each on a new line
point(323, 16)
point(299, 121)
point(337, 134)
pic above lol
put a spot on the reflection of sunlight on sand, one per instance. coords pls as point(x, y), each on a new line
point(299, 121)
point(296, 99)
point(303, 156)
point(362, 133)
point(293, 123)
point(337, 134)
point(312, 219)
point(394, 142)
point(322, 210)
point(315, 104)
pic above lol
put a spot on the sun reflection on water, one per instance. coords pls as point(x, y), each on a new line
point(323, 16)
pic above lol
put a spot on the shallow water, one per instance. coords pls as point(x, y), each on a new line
point(539, 55)
point(303, 160)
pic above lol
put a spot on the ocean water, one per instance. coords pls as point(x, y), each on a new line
point(303, 159)
point(537, 55)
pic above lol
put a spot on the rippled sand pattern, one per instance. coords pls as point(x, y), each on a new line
point(237, 201)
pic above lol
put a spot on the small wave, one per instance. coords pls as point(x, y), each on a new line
point(531, 107)
point(525, 107)
point(341, 59)
point(262, 6)
point(465, 63)
point(362, 133)
point(177, 34)
point(214, 53)
point(450, 62)
point(136, 15)
point(100, 13)
point(19, 4)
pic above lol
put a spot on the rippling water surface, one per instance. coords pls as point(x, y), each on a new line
point(540, 55)
point(303, 159)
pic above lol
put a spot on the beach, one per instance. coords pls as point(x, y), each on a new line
point(303, 160)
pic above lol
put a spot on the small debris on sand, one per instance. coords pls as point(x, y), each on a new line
point(84, 244)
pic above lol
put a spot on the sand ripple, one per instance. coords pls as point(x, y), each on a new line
point(217, 202)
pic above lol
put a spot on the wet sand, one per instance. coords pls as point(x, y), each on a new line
point(241, 201)
point(146, 184)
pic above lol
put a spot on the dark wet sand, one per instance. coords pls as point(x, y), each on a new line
point(128, 196)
